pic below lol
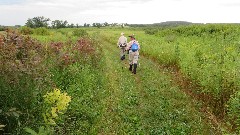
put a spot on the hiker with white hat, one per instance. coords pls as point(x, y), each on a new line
point(122, 43)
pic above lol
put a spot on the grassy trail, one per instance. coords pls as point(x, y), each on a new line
point(145, 103)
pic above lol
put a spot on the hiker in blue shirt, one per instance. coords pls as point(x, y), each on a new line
point(133, 47)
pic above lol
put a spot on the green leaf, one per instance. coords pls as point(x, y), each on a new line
point(32, 132)
point(41, 129)
point(12, 109)
point(1, 127)
point(15, 114)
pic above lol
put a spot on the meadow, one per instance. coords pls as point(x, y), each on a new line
point(71, 81)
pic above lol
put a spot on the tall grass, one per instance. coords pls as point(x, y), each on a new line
point(208, 54)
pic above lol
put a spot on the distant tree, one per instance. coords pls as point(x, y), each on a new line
point(94, 25)
point(59, 24)
point(64, 24)
point(17, 26)
point(86, 25)
point(97, 25)
point(37, 22)
point(30, 23)
point(71, 25)
point(106, 24)
point(114, 24)
point(56, 24)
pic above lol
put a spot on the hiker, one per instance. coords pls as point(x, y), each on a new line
point(133, 47)
point(122, 43)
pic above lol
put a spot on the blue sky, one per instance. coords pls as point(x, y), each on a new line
point(16, 12)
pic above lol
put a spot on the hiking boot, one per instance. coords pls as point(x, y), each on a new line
point(130, 68)
point(123, 57)
point(134, 69)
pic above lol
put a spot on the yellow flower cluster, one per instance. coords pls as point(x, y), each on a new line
point(56, 102)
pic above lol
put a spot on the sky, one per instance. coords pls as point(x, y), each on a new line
point(16, 12)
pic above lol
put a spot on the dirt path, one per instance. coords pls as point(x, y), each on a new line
point(146, 103)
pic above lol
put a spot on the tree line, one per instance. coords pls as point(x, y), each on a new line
point(40, 21)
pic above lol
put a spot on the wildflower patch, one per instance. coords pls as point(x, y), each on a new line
point(55, 103)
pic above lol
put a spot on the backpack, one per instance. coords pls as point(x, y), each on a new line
point(122, 44)
point(134, 47)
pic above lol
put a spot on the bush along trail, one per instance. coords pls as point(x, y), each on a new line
point(50, 88)
point(145, 103)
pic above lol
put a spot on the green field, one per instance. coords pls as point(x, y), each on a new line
point(187, 81)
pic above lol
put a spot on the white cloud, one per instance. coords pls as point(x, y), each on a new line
point(124, 11)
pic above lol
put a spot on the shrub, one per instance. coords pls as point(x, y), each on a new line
point(170, 38)
point(151, 31)
point(80, 33)
point(26, 30)
point(62, 31)
point(68, 53)
point(234, 110)
point(28, 69)
point(42, 31)
point(21, 80)
point(41, 131)
point(2, 28)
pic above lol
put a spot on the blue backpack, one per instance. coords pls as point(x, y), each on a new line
point(134, 47)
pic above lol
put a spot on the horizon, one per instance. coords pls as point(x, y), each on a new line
point(49, 24)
